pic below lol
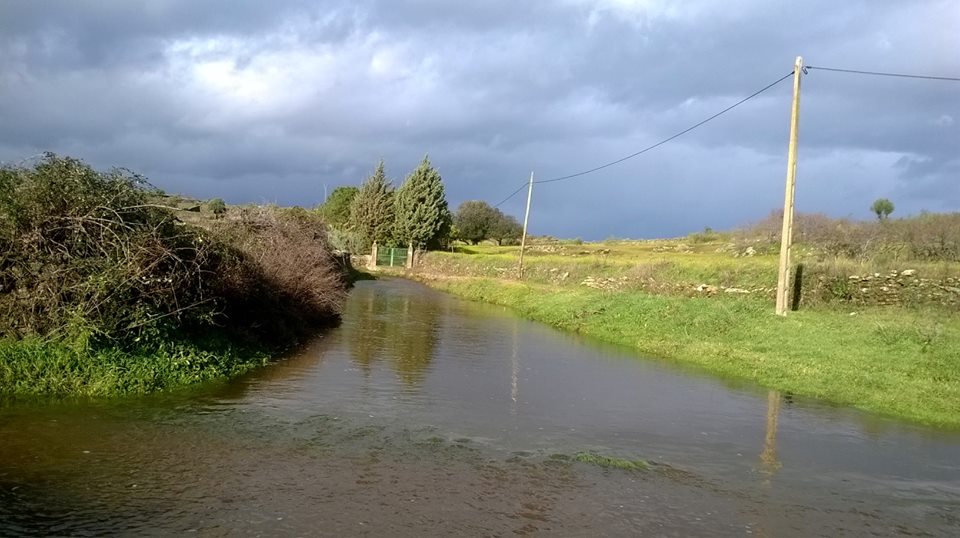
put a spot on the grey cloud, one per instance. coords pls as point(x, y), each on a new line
point(493, 90)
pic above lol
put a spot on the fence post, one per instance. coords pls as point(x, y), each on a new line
point(372, 264)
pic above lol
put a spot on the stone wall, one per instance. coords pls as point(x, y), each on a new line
point(904, 288)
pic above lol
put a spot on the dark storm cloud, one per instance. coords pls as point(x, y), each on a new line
point(270, 101)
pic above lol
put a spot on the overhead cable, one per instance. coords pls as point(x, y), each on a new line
point(668, 139)
point(514, 193)
point(882, 74)
point(718, 114)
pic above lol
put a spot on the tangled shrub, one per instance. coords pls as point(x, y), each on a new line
point(284, 280)
point(86, 257)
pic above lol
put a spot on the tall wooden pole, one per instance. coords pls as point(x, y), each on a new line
point(526, 220)
point(786, 235)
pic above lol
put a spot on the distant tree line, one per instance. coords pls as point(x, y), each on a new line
point(415, 214)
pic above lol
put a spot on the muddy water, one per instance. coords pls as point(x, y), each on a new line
point(426, 415)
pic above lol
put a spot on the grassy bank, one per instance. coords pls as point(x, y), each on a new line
point(898, 362)
point(35, 367)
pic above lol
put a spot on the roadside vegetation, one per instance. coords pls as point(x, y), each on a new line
point(877, 325)
point(104, 289)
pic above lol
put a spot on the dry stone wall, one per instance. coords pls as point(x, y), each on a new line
point(902, 288)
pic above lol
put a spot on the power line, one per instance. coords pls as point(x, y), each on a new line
point(524, 184)
point(718, 114)
point(668, 139)
point(882, 74)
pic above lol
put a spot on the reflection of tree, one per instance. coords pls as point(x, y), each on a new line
point(769, 464)
point(395, 324)
point(366, 327)
point(412, 335)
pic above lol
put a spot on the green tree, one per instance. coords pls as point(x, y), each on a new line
point(505, 228)
point(473, 221)
point(423, 217)
point(455, 233)
point(217, 206)
point(372, 211)
point(336, 208)
point(882, 207)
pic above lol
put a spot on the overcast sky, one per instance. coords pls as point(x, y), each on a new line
point(258, 101)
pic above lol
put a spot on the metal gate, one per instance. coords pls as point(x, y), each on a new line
point(392, 257)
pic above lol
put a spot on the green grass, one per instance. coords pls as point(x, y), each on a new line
point(898, 362)
point(633, 266)
point(35, 367)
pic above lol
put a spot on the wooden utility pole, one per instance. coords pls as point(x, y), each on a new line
point(786, 234)
point(526, 219)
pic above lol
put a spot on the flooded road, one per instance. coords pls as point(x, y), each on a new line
point(426, 415)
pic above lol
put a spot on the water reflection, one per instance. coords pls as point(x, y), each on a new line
point(769, 463)
point(514, 373)
point(402, 329)
point(412, 338)
point(366, 329)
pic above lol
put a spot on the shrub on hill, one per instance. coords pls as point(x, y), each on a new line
point(926, 237)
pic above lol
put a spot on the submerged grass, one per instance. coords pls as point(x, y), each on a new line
point(898, 362)
point(611, 462)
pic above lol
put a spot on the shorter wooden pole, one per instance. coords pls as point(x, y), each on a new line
point(526, 220)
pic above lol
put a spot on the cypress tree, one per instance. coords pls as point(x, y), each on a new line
point(423, 217)
point(372, 211)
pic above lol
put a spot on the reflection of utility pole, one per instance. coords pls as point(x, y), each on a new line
point(769, 464)
point(514, 371)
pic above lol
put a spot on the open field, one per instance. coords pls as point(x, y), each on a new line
point(700, 305)
point(716, 267)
